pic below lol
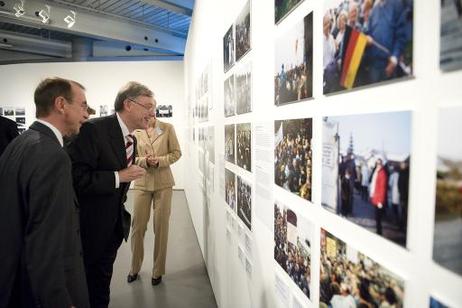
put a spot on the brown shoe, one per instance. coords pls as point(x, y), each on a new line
point(156, 281)
point(132, 277)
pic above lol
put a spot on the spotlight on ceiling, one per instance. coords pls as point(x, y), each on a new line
point(45, 14)
point(70, 20)
point(19, 9)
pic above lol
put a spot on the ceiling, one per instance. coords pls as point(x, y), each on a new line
point(93, 30)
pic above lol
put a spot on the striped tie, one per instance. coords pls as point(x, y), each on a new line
point(129, 150)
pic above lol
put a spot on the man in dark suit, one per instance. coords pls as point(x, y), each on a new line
point(41, 253)
point(8, 131)
point(102, 156)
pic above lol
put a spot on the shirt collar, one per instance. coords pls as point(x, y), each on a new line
point(54, 130)
point(123, 127)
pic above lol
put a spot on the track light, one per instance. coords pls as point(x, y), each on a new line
point(19, 9)
point(70, 20)
point(45, 14)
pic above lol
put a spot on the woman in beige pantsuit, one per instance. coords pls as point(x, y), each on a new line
point(157, 148)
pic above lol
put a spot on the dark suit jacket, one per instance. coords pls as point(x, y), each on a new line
point(8, 131)
point(41, 253)
point(96, 153)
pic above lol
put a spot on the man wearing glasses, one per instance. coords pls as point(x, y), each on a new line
point(103, 156)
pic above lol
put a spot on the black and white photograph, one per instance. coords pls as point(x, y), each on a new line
point(349, 278)
point(228, 49)
point(20, 111)
point(293, 72)
point(282, 8)
point(366, 43)
point(243, 32)
point(244, 202)
point(434, 303)
point(230, 189)
point(21, 121)
point(447, 239)
point(244, 146)
point(243, 88)
point(230, 137)
point(451, 35)
point(293, 156)
point(292, 246)
point(8, 111)
point(210, 144)
point(365, 171)
point(103, 110)
point(1, 111)
point(164, 111)
point(230, 98)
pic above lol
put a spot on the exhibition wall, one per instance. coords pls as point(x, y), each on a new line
point(323, 152)
point(102, 81)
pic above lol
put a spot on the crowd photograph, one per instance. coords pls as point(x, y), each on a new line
point(367, 180)
point(243, 32)
point(244, 146)
point(451, 35)
point(366, 42)
point(292, 246)
point(293, 72)
point(228, 49)
point(447, 241)
point(229, 97)
point(293, 156)
point(244, 202)
point(349, 278)
point(230, 189)
point(243, 88)
point(230, 131)
point(282, 8)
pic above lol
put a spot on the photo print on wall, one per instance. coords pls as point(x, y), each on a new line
point(244, 202)
point(293, 156)
point(282, 8)
point(366, 43)
point(230, 131)
point(292, 246)
point(447, 239)
point(434, 303)
point(243, 32)
point(230, 98)
point(244, 146)
point(228, 49)
point(293, 72)
point(230, 189)
point(451, 35)
point(365, 171)
point(347, 274)
point(243, 88)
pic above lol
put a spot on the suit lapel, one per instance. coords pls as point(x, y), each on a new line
point(43, 129)
point(158, 131)
point(117, 141)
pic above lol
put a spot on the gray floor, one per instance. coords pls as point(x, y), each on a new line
point(185, 284)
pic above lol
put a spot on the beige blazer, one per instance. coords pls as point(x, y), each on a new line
point(163, 144)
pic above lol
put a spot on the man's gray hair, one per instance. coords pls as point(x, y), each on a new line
point(131, 90)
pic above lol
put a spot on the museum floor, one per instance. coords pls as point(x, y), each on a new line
point(185, 284)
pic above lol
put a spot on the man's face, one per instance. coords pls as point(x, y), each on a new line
point(142, 109)
point(75, 111)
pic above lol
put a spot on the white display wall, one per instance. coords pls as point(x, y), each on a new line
point(102, 81)
point(240, 260)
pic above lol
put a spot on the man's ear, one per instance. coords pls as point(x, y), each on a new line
point(59, 104)
point(127, 105)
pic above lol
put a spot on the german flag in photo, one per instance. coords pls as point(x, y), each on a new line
point(353, 45)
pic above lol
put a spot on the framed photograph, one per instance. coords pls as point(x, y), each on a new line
point(365, 171)
point(347, 274)
point(21, 121)
point(293, 156)
point(447, 242)
point(230, 99)
point(228, 49)
point(451, 35)
point(244, 202)
point(164, 111)
point(230, 137)
point(243, 32)
point(20, 111)
point(103, 110)
point(243, 88)
point(230, 189)
point(244, 146)
point(282, 8)
point(210, 147)
point(366, 44)
point(1, 111)
point(292, 246)
point(434, 303)
point(293, 72)
point(8, 111)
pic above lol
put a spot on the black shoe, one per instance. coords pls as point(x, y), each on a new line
point(132, 277)
point(156, 281)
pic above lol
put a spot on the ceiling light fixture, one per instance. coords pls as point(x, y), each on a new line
point(70, 20)
point(19, 9)
point(45, 14)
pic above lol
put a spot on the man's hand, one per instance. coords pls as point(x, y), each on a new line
point(131, 173)
point(390, 69)
point(379, 205)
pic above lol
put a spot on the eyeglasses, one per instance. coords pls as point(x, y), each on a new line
point(149, 109)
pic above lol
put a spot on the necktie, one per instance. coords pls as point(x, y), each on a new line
point(129, 150)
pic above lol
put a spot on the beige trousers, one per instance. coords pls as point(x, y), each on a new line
point(161, 202)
